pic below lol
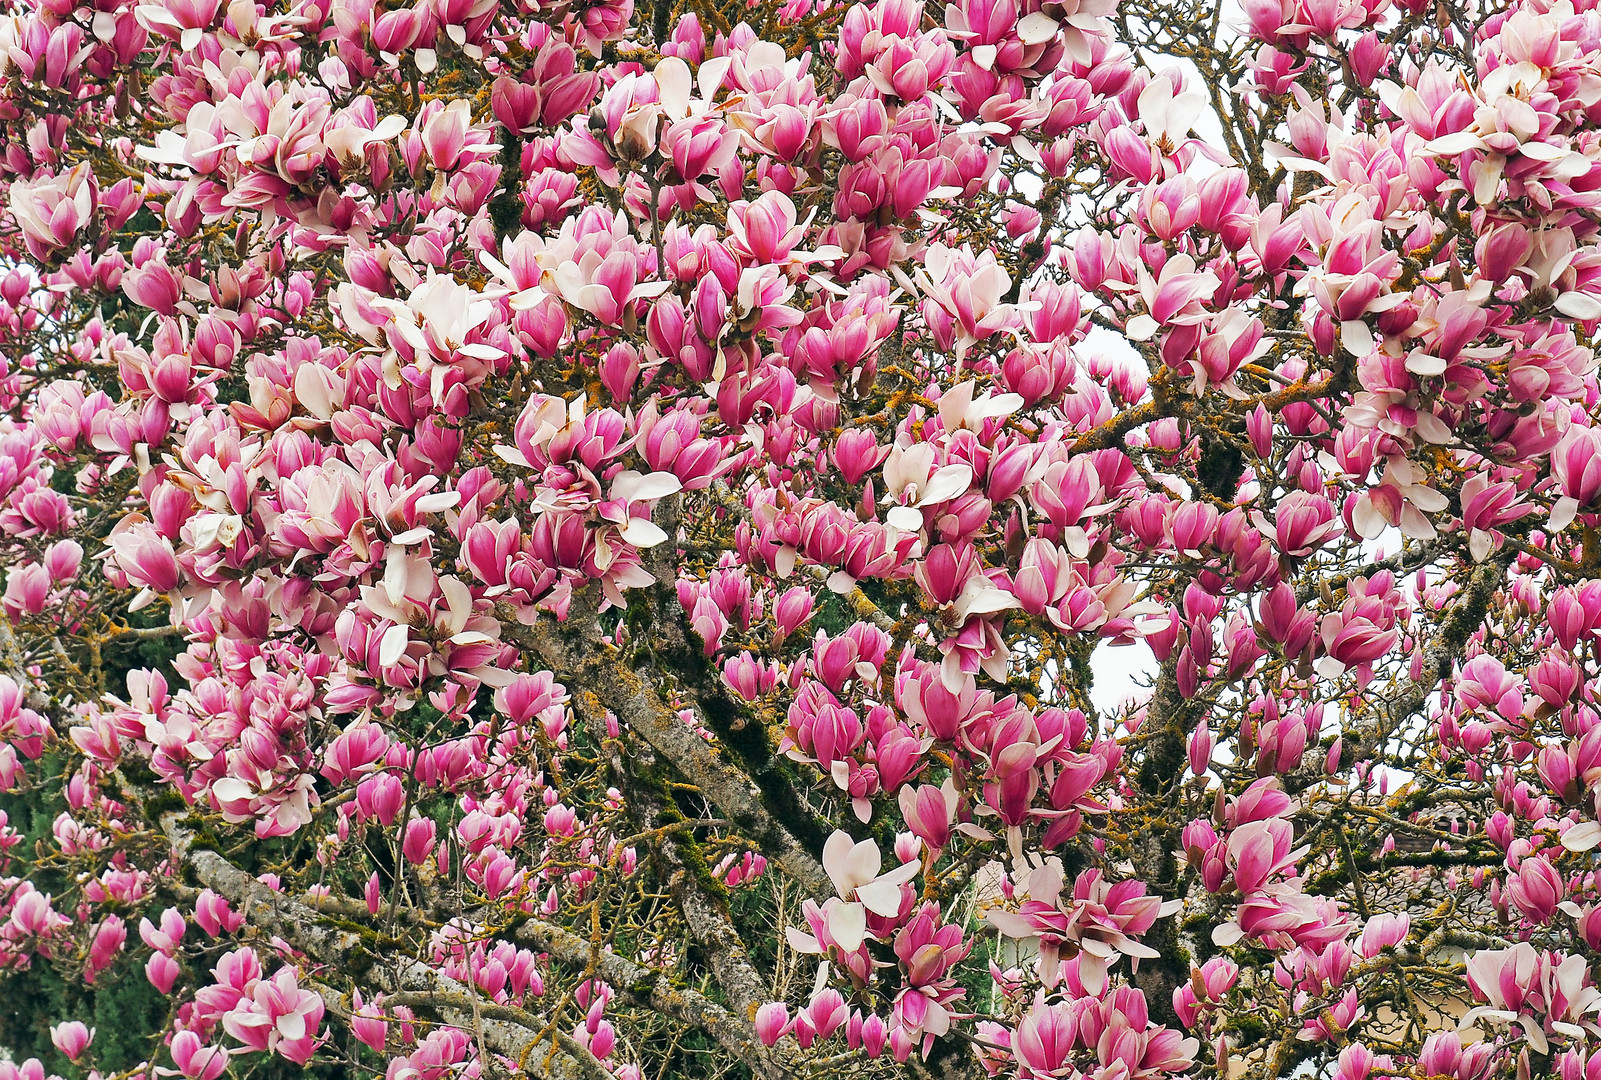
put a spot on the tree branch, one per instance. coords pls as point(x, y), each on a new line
point(510, 1032)
point(641, 986)
point(600, 670)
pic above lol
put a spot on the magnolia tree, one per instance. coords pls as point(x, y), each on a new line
point(562, 539)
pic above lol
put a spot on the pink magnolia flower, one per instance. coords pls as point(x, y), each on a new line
point(913, 482)
point(146, 557)
point(1173, 297)
point(1258, 850)
point(772, 1022)
point(969, 288)
point(1102, 920)
point(72, 1038)
point(162, 971)
point(278, 1016)
point(1384, 932)
point(1544, 993)
point(930, 812)
point(1304, 522)
point(1576, 464)
point(52, 210)
point(854, 868)
point(1168, 112)
point(185, 21)
point(195, 1059)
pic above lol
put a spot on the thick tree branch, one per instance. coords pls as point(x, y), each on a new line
point(1468, 610)
point(641, 986)
point(599, 669)
point(705, 915)
point(512, 1033)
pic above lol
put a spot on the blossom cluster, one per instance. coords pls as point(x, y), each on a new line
point(527, 524)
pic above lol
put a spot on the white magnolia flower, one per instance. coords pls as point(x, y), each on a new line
point(854, 869)
point(913, 482)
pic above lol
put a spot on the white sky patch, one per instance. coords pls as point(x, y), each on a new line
point(1123, 674)
point(1100, 339)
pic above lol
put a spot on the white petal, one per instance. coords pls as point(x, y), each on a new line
point(1543, 151)
point(1577, 305)
point(674, 82)
point(836, 858)
point(1357, 337)
point(1426, 498)
point(647, 290)
point(230, 789)
point(784, 561)
point(1036, 29)
point(1092, 973)
point(493, 677)
point(905, 518)
point(393, 645)
point(881, 897)
point(710, 76)
point(642, 533)
point(1421, 363)
point(388, 128)
point(801, 942)
point(1456, 143)
point(1531, 1028)
point(1367, 519)
point(1329, 668)
point(903, 873)
point(1582, 837)
point(1003, 404)
point(314, 390)
point(840, 582)
point(1563, 511)
point(847, 924)
point(861, 865)
point(1479, 544)
point(1226, 934)
point(631, 486)
point(947, 483)
point(986, 601)
point(1142, 327)
point(458, 602)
